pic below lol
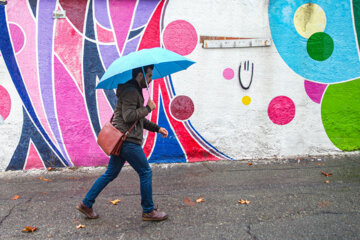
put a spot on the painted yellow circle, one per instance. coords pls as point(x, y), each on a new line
point(309, 18)
point(246, 100)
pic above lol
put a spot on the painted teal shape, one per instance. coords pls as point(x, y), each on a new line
point(342, 65)
point(166, 150)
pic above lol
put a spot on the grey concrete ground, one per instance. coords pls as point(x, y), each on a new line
point(288, 201)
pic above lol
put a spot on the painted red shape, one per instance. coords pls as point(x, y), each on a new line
point(314, 90)
point(17, 37)
point(68, 45)
point(75, 12)
point(182, 107)
point(5, 103)
point(33, 160)
point(151, 36)
point(180, 36)
point(281, 110)
point(104, 35)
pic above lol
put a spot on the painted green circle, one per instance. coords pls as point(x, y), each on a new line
point(340, 113)
point(320, 46)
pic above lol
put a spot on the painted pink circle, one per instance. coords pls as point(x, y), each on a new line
point(5, 103)
point(182, 107)
point(228, 73)
point(180, 36)
point(17, 37)
point(281, 110)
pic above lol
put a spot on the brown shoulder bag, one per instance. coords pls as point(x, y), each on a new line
point(110, 139)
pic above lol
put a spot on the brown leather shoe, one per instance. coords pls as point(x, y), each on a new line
point(87, 211)
point(155, 215)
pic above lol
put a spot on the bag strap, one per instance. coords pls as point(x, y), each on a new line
point(132, 127)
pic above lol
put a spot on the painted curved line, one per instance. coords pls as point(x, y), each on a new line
point(135, 33)
point(16, 77)
point(29, 131)
point(45, 67)
point(33, 6)
point(143, 12)
point(25, 37)
point(121, 13)
point(102, 13)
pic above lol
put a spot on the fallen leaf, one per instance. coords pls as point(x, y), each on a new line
point(327, 181)
point(249, 164)
point(80, 226)
point(115, 202)
point(320, 164)
point(15, 197)
point(326, 174)
point(50, 169)
point(323, 204)
point(200, 200)
point(29, 229)
point(189, 202)
point(83, 188)
point(72, 178)
point(45, 179)
point(242, 201)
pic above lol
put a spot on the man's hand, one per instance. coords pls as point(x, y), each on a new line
point(151, 104)
point(164, 132)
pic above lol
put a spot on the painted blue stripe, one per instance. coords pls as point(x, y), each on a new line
point(11, 64)
point(172, 86)
point(208, 142)
point(166, 149)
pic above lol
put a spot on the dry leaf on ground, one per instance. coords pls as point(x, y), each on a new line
point(29, 229)
point(15, 197)
point(327, 181)
point(115, 202)
point(320, 164)
point(323, 204)
point(80, 226)
point(189, 202)
point(326, 174)
point(200, 200)
point(45, 179)
point(50, 169)
point(249, 164)
point(242, 201)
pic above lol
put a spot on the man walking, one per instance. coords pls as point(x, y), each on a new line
point(130, 108)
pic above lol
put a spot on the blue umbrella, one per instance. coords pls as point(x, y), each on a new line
point(165, 63)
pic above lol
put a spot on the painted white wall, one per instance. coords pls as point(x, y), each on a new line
point(220, 116)
point(10, 128)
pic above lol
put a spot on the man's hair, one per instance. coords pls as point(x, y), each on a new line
point(136, 71)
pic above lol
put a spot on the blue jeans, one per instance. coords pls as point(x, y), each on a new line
point(135, 156)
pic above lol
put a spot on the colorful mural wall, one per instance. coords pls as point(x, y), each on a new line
point(299, 97)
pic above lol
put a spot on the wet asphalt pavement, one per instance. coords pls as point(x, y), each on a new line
point(288, 200)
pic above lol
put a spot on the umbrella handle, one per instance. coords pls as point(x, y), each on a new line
point(147, 86)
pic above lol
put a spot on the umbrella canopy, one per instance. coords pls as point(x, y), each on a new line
point(165, 62)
